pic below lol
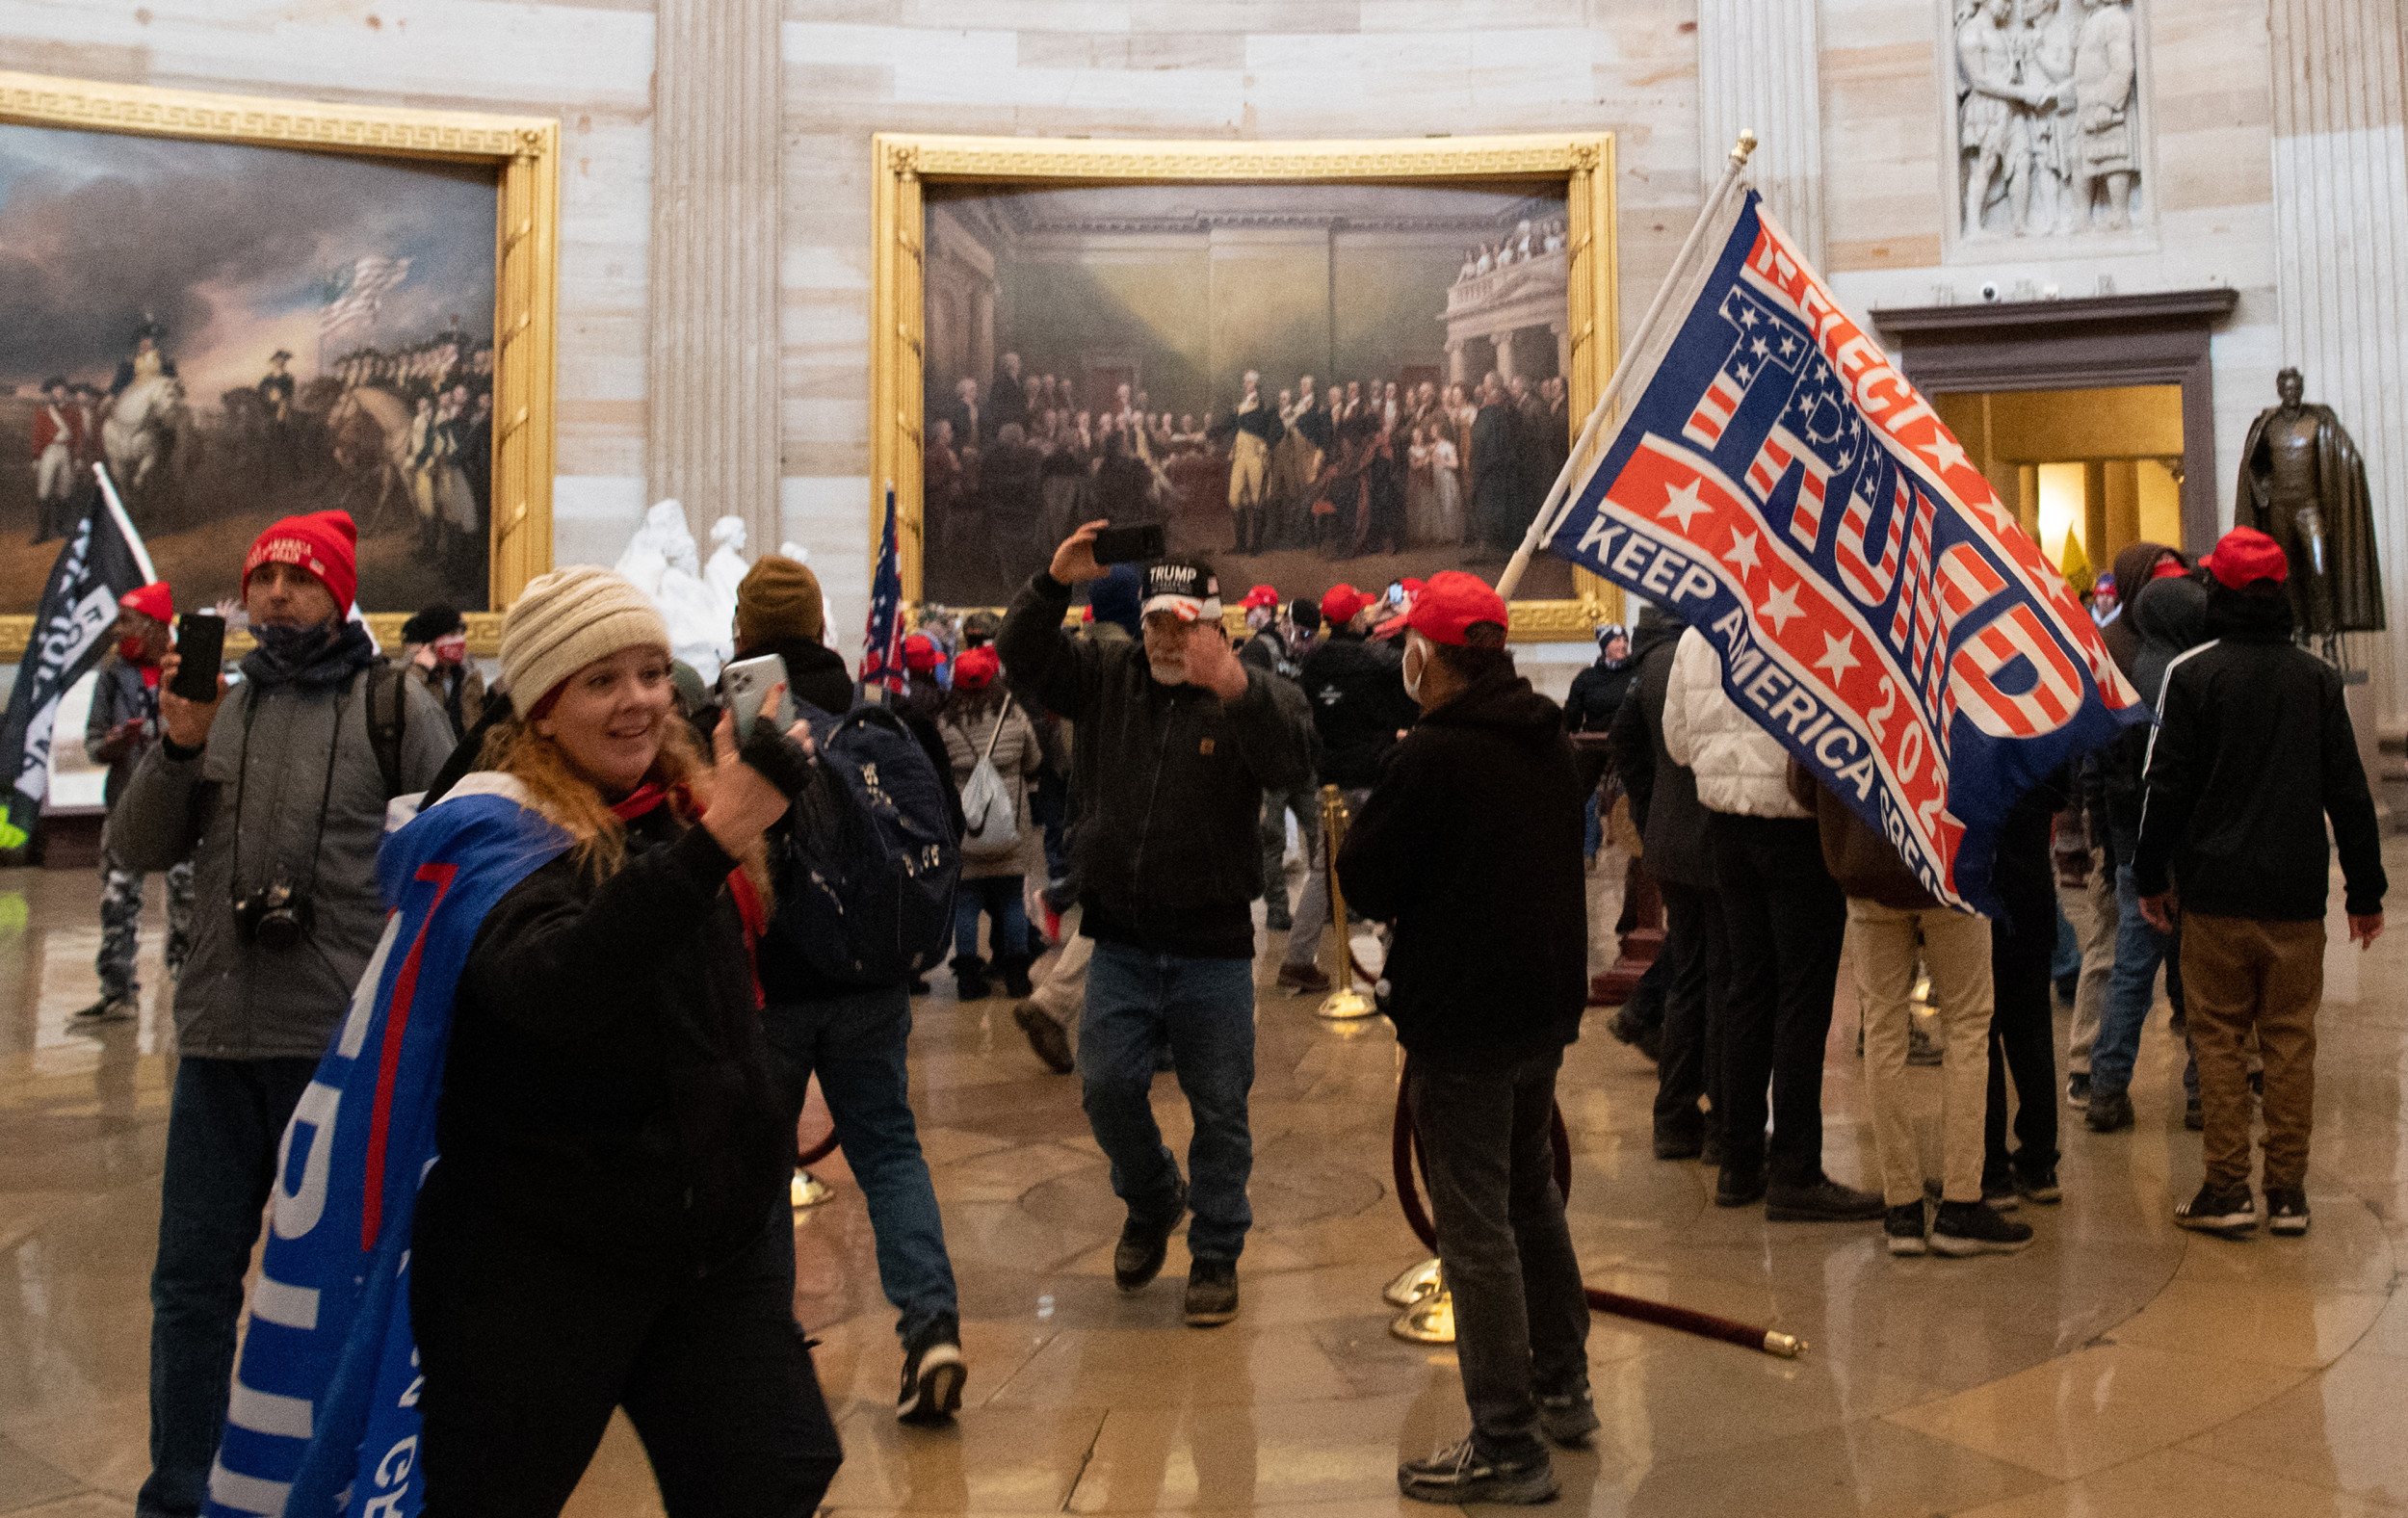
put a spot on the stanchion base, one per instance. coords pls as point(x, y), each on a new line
point(809, 1191)
point(1788, 1346)
point(1430, 1321)
point(1415, 1285)
point(1346, 1006)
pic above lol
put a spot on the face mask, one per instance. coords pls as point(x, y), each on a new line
point(1416, 661)
point(131, 649)
point(450, 649)
point(292, 647)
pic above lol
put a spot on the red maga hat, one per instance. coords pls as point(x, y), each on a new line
point(1261, 596)
point(1340, 603)
point(1449, 606)
point(919, 653)
point(976, 670)
point(2244, 555)
point(153, 600)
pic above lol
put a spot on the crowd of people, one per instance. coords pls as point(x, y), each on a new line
point(634, 1027)
point(1364, 466)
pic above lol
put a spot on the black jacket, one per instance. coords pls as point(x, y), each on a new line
point(1470, 845)
point(1597, 694)
point(1663, 794)
point(1168, 782)
point(2254, 751)
point(119, 695)
point(1356, 690)
point(2167, 618)
point(608, 1086)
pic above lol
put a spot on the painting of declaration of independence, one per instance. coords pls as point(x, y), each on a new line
point(1311, 383)
point(240, 334)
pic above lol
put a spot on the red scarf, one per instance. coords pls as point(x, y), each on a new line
point(649, 797)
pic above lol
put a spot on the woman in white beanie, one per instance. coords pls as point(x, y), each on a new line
point(614, 1150)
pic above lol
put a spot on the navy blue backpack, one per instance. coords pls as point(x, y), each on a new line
point(865, 885)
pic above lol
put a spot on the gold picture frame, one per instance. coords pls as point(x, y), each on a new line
point(523, 150)
point(902, 162)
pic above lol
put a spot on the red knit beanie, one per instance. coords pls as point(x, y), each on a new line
point(325, 543)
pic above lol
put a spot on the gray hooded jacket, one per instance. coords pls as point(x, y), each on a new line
point(236, 1000)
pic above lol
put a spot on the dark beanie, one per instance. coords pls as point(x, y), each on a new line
point(778, 598)
point(432, 623)
point(1117, 597)
point(1306, 615)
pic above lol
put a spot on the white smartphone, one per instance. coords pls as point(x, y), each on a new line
point(744, 684)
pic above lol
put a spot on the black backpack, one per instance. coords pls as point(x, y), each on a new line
point(866, 875)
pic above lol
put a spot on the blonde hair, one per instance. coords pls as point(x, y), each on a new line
point(569, 799)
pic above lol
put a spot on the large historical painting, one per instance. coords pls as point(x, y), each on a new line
point(1309, 383)
point(2047, 117)
point(239, 332)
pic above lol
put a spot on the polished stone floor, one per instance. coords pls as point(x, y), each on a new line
point(2118, 1367)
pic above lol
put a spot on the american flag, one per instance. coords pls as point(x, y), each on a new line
point(370, 280)
point(882, 647)
point(1782, 486)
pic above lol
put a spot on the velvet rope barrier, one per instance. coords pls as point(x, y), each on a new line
point(807, 1158)
point(1407, 1151)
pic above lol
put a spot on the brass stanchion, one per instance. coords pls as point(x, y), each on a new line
point(1344, 1003)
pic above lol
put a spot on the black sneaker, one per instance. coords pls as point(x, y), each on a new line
point(1568, 1417)
point(1820, 1200)
point(2286, 1210)
point(1048, 1039)
point(109, 1010)
point(1676, 1142)
point(1711, 1155)
point(932, 1374)
point(1740, 1187)
point(2042, 1188)
point(1212, 1293)
point(1144, 1246)
point(1969, 1228)
point(1999, 1194)
point(1461, 1474)
point(2230, 1214)
point(1904, 1228)
point(2077, 1090)
point(1922, 1051)
point(2109, 1111)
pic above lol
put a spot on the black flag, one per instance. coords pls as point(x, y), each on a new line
point(103, 558)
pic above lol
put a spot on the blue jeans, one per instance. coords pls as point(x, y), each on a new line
point(998, 895)
point(856, 1043)
point(2132, 989)
point(224, 1122)
point(1204, 1008)
point(1593, 832)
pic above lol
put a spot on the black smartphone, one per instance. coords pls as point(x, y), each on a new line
point(201, 642)
point(1122, 545)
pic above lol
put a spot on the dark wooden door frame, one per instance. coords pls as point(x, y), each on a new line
point(2093, 343)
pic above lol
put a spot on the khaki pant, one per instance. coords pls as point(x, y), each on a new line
point(1956, 949)
point(2091, 909)
point(1249, 458)
point(2241, 976)
point(1061, 994)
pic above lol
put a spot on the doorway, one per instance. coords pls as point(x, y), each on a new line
point(2086, 471)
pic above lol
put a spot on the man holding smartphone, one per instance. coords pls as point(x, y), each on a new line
point(275, 789)
point(1177, 743)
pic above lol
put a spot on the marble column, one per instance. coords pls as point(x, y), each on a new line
point(713, 431)
point(1758, 66)
point(1505, 354)
point(1455, 360)
point(2341, 211)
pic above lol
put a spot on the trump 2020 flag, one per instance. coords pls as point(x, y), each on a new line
point(882, 648)
point(103, 558)
point(1778, 484)
point(323, 1418)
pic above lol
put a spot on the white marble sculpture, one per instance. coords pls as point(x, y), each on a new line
point(727, 569)
point(2047, 93)
point(660, 559)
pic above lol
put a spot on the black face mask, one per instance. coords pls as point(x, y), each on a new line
point(322, 654)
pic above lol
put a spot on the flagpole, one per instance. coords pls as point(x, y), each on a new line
point(1557, 503)
point(126, 523)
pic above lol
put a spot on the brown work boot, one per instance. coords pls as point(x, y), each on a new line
point(1303, 977)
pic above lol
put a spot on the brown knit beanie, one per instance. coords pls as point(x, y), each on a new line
point(565, 620)
point(780, 599)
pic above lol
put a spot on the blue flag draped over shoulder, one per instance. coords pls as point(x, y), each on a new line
point(1778, 484)
point(323, 1419)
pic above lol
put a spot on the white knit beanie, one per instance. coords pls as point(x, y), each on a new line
point(565, 620)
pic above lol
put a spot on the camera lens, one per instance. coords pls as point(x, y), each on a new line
point(278, 929)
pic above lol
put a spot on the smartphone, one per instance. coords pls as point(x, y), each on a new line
point(1396, 592)
point(201, 642)
point(1121, 545)
point(744, 684)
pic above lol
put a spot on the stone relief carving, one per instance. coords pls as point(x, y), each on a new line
point(2047, 98)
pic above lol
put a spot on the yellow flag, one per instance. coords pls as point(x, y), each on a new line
point(2075, 565)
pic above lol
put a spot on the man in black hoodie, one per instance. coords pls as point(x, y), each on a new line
point(1469, 846)
point(2254, 753)
point(1356, 687)
point(1177, 742)
point(1672, 828)
point(857, 1038)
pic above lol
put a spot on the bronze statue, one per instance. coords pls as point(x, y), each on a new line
point(2303, 484)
